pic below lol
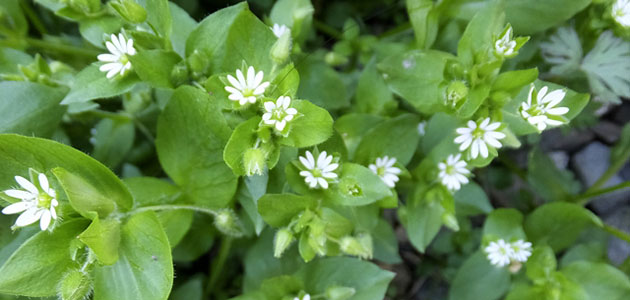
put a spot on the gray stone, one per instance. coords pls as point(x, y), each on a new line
point(589, 164)
point(607, 131)
point(625, 172)
point(555, 139)
point(619, 250)
point(560, 159)
point(622, 113)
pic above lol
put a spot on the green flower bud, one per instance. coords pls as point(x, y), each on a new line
point(334, 59)
point(282, 241)
point(352, 246)
point(339, 292)
point(85, 6)
point(198, 63)
point(179, 74)
point(455, 92)
point(75, 285)
point(254, 161)
point(227, 222)
point(281, 49)
point(130, 10)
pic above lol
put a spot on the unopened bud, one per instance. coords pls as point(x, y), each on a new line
point(75, 285)
point(179, 74)
point(282, 241)
point(515, 266)
point(334, 59)
point(130, 10)
point(281, 49)
point(198, 63)
point(339, 292)
point(455, 92)
point(352, 246)
point(227, 222)
point(254, 161)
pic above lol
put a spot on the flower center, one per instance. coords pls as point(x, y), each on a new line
point(44, 200)
point(316, 172)
point(247, 92)
point(478, 133)
point(278, 113)
point(124, 59)
point(450, 170)
point(380, 171)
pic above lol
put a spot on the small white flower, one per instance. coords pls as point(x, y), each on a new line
point(499, 253)
point(305, 297)
point(521, 250)
point(279, 114)
point(422, 128)
point(540, 110)
point(246, 90)
point(384, 168)
point(318, 174)
point(505, 46)
point(621, 12)
point(453, 172)
point(37, 204)
point(279, 30)
point(478, 137)
point(117, 61)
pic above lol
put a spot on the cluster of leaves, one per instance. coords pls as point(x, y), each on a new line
point(176, 163)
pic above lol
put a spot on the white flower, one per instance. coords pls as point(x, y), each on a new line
point(384, 168)
point(35, 205)
point(476, 136)
point(453, 172)
point(540, 110)
point(505, 46)
point(279, 113)
point(246, 90)
point(521, 250)
point(279, 30)
point(117, 61)
point(621, 12)
point(318, 173)
point(422, 128)
point(305, 297)
point(499, 253)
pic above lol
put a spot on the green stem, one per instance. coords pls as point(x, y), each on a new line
point(174, 207)
point(327, 29)
point(618, 233)
point(33, 17)
point(612, 170)
point(217, 267)
point(50, 46)
point(584, 198)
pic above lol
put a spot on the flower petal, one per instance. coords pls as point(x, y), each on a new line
point(17, 207)
point(27, 185)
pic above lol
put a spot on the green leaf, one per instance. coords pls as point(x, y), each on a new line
point(30, 108)
point(357, 186)
point(278, 209)
point(256, 187)
point(514, 81)
point(144, 269)
point(242, 139)
point(321, 85)
point(548, 181)
point(36, 266)
point(476, 97)
point(559, 224)
point(84, 197)
point(478, 37)
point(381, 141)
point(182, 25)
point(424, 20)
point(91, 83)
point(103, 237)
point(372, 95)
point(599, 280)
point(415, 76)
point(368, 280)
point(20, 153)
point(16, 24)
point(94, 30)
point(385, 243)
point(438, 129)
point(195, 161)
point(352, 127)
point(295, 14)
point(563, 51)
point(11, 58)
point(156, 74)
point(621, 151)
point(113, 139)
point(471, 200)
point(542, 264)
point(477, 279)
point(532, 16)
point(423, 223)
point(226, 37)
point(314, 127)
point(197, 241)
point(158, 16)
point(504, 223)
point(607, 67)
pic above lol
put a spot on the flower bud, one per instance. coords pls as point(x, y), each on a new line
point(227, 222)
point(198, 63)
point(334, 59)
point(282, 241)
point(75, 285)
point(179, 74)
point(281, 49)
point(352, 246)
point(455, 92)
point(254, 161)
point(85, 6)
point(339, 292)
point(130, 10)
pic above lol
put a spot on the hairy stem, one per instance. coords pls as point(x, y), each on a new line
point(618, 233)
point(585, 197)
point(216, 267)
point(174, 207)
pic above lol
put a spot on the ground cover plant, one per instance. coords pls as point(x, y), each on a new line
point(308, 149)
